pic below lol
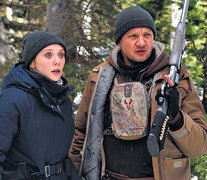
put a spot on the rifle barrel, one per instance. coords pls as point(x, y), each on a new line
point(185, 11)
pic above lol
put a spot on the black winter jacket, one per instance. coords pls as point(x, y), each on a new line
point(33, 127)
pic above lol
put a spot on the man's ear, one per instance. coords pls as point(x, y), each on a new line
point(119, 44)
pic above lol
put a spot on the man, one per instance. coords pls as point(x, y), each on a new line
point(115, 113)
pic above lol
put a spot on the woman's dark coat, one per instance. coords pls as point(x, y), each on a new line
point(34, 128)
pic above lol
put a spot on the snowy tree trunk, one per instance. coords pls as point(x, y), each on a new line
point(5, 51)
point(61, 21)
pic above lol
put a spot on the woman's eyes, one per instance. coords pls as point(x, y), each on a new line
point(49, 55)
point(61, 55)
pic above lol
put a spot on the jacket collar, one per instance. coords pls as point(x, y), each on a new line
point(161, 60)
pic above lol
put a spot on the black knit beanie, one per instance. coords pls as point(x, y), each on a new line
point(130, 18)
point(34, 42)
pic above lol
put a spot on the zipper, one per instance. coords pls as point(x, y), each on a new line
point(58, 108)
point(130, 79)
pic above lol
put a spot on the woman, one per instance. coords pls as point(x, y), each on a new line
point(36, 124)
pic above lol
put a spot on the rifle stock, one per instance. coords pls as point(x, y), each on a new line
point(158, 132)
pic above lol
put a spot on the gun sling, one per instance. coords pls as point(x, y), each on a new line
point(22, 171)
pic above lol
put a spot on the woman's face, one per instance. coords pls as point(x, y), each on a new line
point(50, 62)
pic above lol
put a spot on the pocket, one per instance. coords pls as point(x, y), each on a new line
point(177, 169)
point(129, 109)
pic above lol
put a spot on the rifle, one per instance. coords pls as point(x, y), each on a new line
point(158, 131)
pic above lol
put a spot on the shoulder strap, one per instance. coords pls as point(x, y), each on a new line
point(153, 86)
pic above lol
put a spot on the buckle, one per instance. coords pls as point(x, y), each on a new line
point(47, 171)
point(59, 169)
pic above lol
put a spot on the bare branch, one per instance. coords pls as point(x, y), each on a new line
point(19, 26)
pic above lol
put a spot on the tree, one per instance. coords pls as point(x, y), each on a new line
point(198, 167)
point(5, 50)
point(196, 34)
point(82, 26)
point(87, 28)
point(26, 16)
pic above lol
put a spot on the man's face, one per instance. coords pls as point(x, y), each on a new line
point(137, 43)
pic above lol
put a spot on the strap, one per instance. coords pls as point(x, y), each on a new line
point(54, 169)
point(116, 80)
point(49, 170)
point(58, 168)
point(20, 173)
point(108, 132)
point(22, 168)
point(117, 176)
point(12, 175)
point(68, 167)
point(153, 86)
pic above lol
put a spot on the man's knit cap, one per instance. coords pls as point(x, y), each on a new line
point(130, 18)
point(34, 42)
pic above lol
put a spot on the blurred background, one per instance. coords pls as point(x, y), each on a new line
point(87, 28)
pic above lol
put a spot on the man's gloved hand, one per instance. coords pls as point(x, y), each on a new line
point(172, 96)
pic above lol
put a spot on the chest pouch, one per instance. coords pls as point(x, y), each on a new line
point(129, 108)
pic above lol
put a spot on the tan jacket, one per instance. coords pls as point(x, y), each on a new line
point(190, 141)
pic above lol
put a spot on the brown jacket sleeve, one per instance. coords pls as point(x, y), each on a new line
point(192, 137)
point(76, 149)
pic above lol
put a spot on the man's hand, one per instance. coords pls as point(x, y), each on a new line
point(172, 96)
